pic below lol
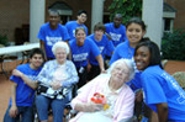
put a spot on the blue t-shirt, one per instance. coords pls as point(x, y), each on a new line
point(118, 35)
point(135, 83)
point(160, 87)
point(24, 93)
point(124, 50)
point(71, 27)
point(50, 37)
point(81, 54)
point(103, 44)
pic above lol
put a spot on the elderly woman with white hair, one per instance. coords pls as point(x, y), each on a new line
point(107, 98)
point(56, 80)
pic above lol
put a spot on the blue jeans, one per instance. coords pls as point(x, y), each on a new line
point(44, 103)
point(25, 114)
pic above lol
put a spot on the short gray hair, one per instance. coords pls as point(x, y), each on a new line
point(130, 65)
point(60, 44)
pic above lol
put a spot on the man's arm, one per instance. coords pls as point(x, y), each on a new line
point(70, 53)
point(43, 48)
point(108, 36)
point(162, 110)
point(13, 110)
point(29, 82)
point(100, 62)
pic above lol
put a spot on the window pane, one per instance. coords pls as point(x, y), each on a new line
point(167, 24)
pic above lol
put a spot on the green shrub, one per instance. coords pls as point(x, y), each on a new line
point(173, 45)
point(4, 40)
point(128, 9)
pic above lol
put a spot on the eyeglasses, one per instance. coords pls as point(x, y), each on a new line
point(83, 16)
point(123, 71)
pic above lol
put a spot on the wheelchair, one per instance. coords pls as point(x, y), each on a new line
point(68, 112)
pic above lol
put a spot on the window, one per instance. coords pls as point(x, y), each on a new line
point(64, 10)
point(65, 18)
point(168, 24)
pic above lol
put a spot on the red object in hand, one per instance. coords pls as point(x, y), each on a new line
point(98, 98)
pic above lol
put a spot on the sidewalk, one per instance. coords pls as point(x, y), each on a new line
point(171, 67)
point(174, 66)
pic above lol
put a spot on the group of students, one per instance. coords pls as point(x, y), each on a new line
point(161, 93)
point(87, 51)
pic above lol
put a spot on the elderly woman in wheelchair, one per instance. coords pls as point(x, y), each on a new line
point(55, 84)
point(107, 98)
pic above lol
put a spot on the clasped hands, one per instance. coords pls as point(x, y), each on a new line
point(55, 85)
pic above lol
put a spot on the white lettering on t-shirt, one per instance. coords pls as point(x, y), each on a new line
point(181, 98)
point(74, 33)
point(52, 40)
point(101, 48)
point(115, 36)
point(80, 57)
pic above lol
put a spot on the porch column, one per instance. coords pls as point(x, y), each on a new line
point(152, 16)
point(37, 18)
point(97, 12)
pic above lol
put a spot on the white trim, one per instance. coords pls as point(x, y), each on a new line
point(65, 12)
point(169, 14)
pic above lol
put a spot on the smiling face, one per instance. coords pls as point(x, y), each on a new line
point(36, 61)
point(82, 18)
point(80, 36)
point(117, 20)
point(98, 34)
point(53, 19)
point(134, 33)
point(120, 73)
point(60, 55)
point(142, 57)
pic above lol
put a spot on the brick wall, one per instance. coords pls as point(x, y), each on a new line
point(179, 5)
point(13, 14)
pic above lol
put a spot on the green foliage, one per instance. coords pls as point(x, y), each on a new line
point(173, 45)
point(128, 8)
point(3, 40)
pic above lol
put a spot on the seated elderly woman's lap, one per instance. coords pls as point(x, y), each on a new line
point(44, 103)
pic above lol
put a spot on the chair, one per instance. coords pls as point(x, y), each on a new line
point(25, 54)
point(4, 59)
point(7, 59)
point(180, 78)
point(68, 113)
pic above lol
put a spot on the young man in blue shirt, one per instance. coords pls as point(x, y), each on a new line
point(102, 41)
point(23, 90)
point(117, 32)
point(52, 32)
point(72, 25)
